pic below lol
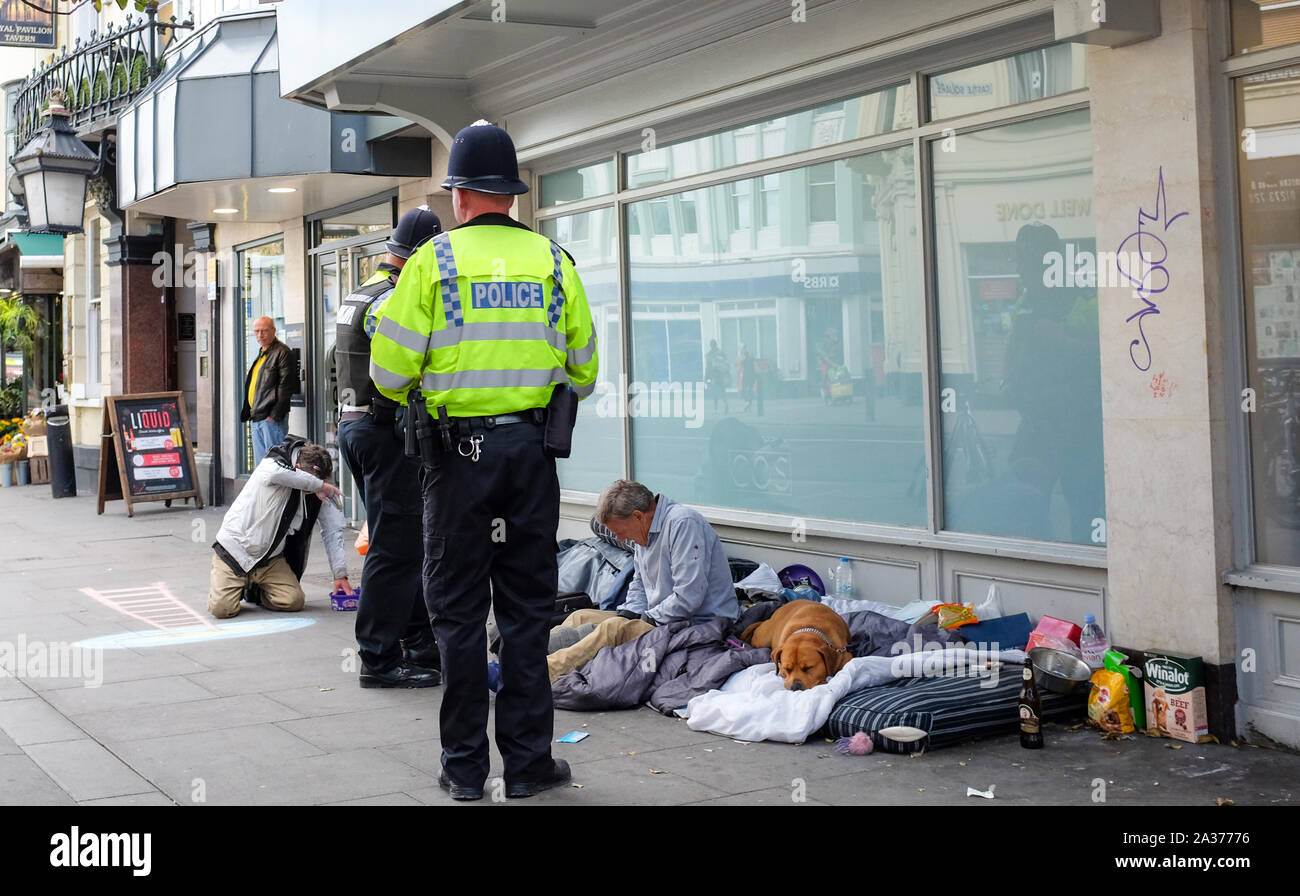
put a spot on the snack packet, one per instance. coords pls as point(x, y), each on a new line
point(1108, 703)
point(954, 615)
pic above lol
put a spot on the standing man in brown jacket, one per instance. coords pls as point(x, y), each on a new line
point(270, 384)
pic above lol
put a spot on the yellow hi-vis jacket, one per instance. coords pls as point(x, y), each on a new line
point(487, 318)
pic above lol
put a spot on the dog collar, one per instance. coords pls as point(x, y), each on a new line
point(819, 633)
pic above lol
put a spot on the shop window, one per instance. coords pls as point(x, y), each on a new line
point(261, 273)
point(358, 222)
point(787, 381)
point(1020, 383)
point(1261, 24)
point(597, 458)
point(1032, 75)
point(1268, 109)
point(866, 115)
point(572, 184)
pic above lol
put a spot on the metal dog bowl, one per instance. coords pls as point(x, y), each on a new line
point(1058, 671)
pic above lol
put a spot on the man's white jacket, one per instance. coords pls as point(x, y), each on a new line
point(264, 516)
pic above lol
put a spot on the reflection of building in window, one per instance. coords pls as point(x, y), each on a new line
point(742, 204)
point(770, 191)
point(821, 193)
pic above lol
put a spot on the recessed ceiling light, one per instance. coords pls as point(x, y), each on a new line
point(283, 190)
point(225, 211)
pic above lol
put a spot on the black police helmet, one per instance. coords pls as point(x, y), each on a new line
point(483, 159)
point(414, 229)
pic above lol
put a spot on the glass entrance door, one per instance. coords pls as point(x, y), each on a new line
point(337, 271)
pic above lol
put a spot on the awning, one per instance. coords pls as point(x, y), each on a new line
point(39, 250)
point(31, 263)
point(213, 124)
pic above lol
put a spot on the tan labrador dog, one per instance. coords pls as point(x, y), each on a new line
point(809, 642)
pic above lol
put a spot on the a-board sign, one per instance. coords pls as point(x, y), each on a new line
point(146, 453)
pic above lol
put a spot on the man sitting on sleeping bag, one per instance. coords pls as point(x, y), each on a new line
point(681, 575)
point(265, 535)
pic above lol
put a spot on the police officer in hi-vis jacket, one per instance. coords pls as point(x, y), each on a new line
point(394, 638)
point(488, 320)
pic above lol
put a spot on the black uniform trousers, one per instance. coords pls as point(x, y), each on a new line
point(392, 594)
point(489, 538)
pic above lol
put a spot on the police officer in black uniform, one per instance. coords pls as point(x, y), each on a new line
point(394, 637)
point(492, 498)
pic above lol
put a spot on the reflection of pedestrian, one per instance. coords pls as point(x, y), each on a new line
point(830, 355)
point(1053, 380)
point(717, 372)
point(268, 388)
point(748, 376)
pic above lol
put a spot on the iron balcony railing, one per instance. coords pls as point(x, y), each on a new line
point(99, 77)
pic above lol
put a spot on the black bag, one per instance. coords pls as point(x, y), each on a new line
point(569, 602)
point(565, 603)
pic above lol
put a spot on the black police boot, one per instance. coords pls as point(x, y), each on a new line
point(403, 675)
point(422, 651)
point(459, 791)
point(521, 789)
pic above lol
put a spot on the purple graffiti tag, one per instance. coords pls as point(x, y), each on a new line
point(1152, 277)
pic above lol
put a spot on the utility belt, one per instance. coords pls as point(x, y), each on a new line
point(431, 436)
point(384, 413)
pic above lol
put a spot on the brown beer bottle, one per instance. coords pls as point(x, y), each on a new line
point(1031, 711)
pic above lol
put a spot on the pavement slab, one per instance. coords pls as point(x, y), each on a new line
point(87, 771)
point(140, 722)
point(24, 783)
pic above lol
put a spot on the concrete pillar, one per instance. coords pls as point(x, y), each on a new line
point(142, 328)
point(1167, 503)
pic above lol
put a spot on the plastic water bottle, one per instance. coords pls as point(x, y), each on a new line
point(844, 579)
point(1093, 643)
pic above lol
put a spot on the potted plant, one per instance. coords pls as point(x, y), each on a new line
point(13, 448)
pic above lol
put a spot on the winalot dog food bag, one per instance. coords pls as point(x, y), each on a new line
point(1175, 696)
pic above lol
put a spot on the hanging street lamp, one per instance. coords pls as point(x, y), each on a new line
point(54, 168)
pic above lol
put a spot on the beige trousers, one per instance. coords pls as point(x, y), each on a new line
point(611, 629)
point(279, 585)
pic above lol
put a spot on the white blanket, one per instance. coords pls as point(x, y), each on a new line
point(754, 705)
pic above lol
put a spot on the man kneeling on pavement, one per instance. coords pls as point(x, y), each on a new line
point(261, 548)
point(681, 575)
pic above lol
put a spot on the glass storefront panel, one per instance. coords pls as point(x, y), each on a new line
point(1020, 378)
point(592, 239)
point(778, 343)
point(1268, 109)
point(359, 222)
point(1032, 75)
point(261, 272)
point(572, 184)
point(825, 125)
point(1260, 24)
